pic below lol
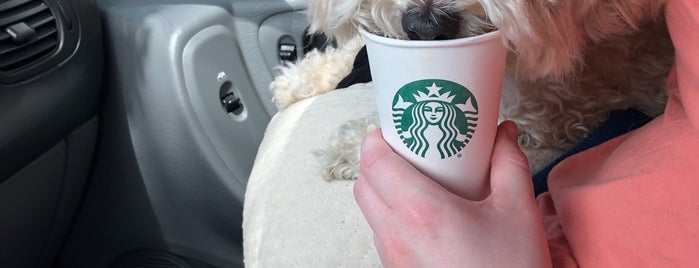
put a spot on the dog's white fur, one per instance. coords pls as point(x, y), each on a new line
point(570, 63)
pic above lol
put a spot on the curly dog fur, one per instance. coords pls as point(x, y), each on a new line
point(569, 63)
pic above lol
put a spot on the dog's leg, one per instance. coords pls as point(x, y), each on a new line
point(317, 73)
point(340, 159)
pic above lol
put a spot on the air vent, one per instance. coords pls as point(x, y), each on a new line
point(28, 34)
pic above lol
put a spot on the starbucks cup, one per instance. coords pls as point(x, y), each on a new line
point(438, 105)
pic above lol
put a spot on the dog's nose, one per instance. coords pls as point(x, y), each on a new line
point(421, 24)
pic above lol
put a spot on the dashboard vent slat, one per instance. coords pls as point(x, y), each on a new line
point(40, 34)
point(22, 12)
point(12, 4)
point(30, 54)
point(37, 21)
point(20, 53)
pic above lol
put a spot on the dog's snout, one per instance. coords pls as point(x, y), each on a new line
point(421, 24)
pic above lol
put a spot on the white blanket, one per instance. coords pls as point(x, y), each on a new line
point(292, 216)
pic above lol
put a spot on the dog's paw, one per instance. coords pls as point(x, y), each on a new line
point(339, 160)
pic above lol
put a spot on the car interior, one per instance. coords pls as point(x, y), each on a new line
point(129, 128)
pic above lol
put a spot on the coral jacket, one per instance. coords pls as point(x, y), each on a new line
point(634, 201)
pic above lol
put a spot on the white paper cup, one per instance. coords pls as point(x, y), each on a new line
point(438, 105)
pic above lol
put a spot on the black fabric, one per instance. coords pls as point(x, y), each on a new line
point(317, 41)
point(360, 71)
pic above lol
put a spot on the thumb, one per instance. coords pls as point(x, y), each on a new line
point(509, 168)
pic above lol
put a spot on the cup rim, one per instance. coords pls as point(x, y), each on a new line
point(429, 43)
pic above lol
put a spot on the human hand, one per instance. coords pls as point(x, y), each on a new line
point(418, 223)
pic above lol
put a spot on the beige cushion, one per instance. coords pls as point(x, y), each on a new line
point(292, 216)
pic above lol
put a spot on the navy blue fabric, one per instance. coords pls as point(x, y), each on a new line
point(618, 123)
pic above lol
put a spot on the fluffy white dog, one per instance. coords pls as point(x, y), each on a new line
point(570, 62)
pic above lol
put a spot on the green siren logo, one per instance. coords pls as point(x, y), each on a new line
point(435, 117)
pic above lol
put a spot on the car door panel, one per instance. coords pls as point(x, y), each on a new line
point(172, 164)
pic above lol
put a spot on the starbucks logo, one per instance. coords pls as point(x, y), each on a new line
point(435, 117)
